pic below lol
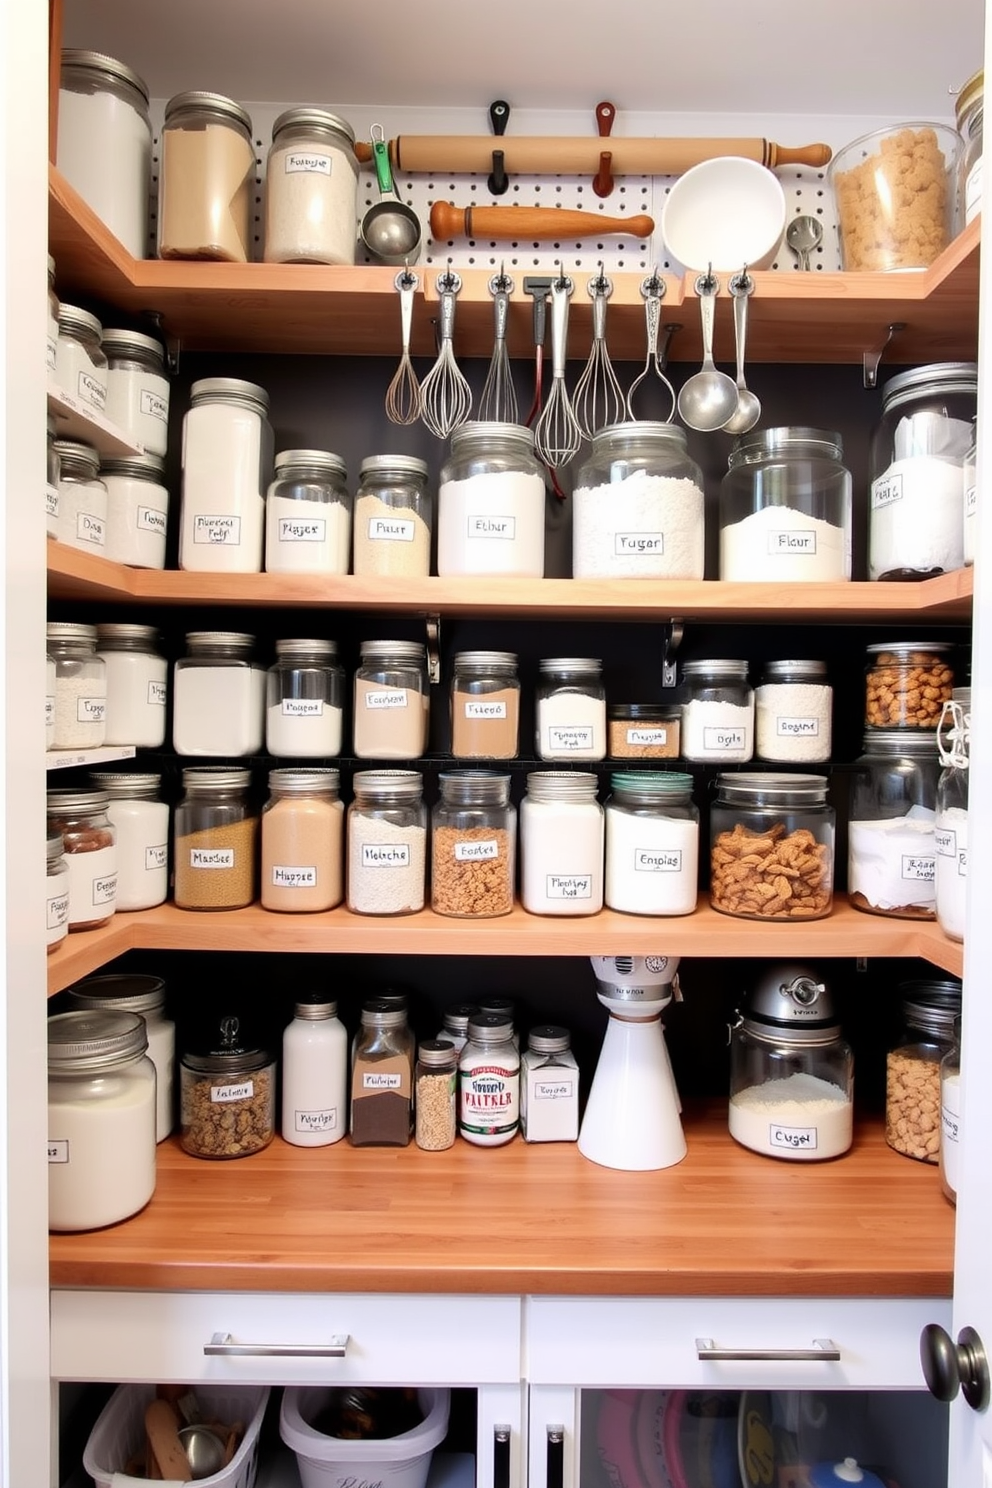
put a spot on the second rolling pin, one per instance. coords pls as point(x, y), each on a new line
point(542, 224)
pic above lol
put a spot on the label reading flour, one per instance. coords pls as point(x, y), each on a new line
point(153, 405)
point(475, 709)
point(302, 707)
point(792, 1138)
point(504, 528)
point(791, 543)
point(476, 852)
point(385, 855)
point(222, 1095)
point(390, 529)
point(723, 740)
point(885, 490)
point(292, 529)
point(217, 532)
point(657, 860)
point(150, 519)
point(293, 878)
point(390, 697)
point(314, 165)
point(568, 885)
point(632, 544)
point(91, 710)
point(917, 869)
point(90, 529)
point(91, 391)
point(569, 737)
point(211, 857)
point(797, 728)
point(156, 858)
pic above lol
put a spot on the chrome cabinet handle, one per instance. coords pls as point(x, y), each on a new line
point(223, 1343)
point(824, 1351)
point(556, 1457)
point(501, 1456)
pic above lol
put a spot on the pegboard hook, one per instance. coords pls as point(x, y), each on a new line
point(499, 117)
point(603, 180)
point(674, 631)
point(872, 358)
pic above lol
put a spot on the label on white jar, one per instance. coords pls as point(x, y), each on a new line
point(155, 696)
point(52, 500)
point(153, 405)
point(58, 1150)
point(57, 910)
point(91, 710)
point(217, 531)
point(385, 855)
point(790, 543)
point(476, 709)
point(724, 740)
point(797, 728)
point(53, 342)
point(150, 519)
point(945, 840)
point(628, 544)
point(156, 858)
point(296, 161)
point(390, 697)
point(104, 889)
point(91, 390)
point(561, 1088)
point(566, 738)
point(568, 885)
point(885, 490)
point(211, 857)
point(291, 529)
point(302, 707)
point(293, 878)
point(222, 1095)
point(916, 869)
point(90, 529)
point(504, 528)
point(793, 1138)
point(315, 1121)
point(476, 852)
point(655, 860)
point(391, 529)
point(647, 736)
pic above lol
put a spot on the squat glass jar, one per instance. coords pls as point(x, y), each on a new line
point(311, 189)
point(218, 696)
point(644, 731)
point(485, 705)
point(308, 514)
point(907, 684)
point(387, 843)
point(141, 821)
point(227, 466)
point(382, 1069)
point(473, 846)
point(206, 179)
point(969, 111)
point(82, 519)
point(393, 517)
point(717, 712)
point(304, 700)
point(90, 844)
point(436, 1101)
point(56, 892)
point(489, 1082)
point(227, 1096)
point(951, 824)
point(792, 713)
point(137, 680)
point(302, 842)
point(891, 825)
point(215, 834)
point(950, 1117)
point(392, 701)
point(491, 503)
point(912, 1067)
point(133, 993)
point(105, 142)
point(561, 844)
point(137, 510)
point(80, 686)
point(772, 847)
point(570, 721)
point(652, 843)
point(137, 389)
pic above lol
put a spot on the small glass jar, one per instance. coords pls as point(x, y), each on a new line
point(473, 845)
point(56, 892)
point(54, 464)
point(950, 1117)
point(435, 1100)
point(454, 1024)
point(89, 842)
point(638, 506)
point(82, 519)
point(970, 498)
point(912, 1067)
point(382, 1078)
point(80, 686)
point(793, 713)
point(549, 1087)
point(137, 684)
point(717, 712)
point(969, 110)
point(570, 712)
point(786, 508)
point(227, 1096)
point(485, 705)
point(53, 318)
point(81, 366)
point(907, 684)
point(393, 518)
point(918, 453)
point(105, 142)
point(206, 179)
point(311, 189)
point(101, 1119)
point(489, 1082)
point(141, 821)
point(138, 389)
point(392, 701)
point(896, 193)
point(137, 510)
point(218, 696)
point(302, 842)
point(134, 993)
point(227, 467)
point(561, 844)
point(950, 835)
point(643, 731)
point(215, 833)
point(652, 843)
point(490, 517)
point(308, 514)
point(387, 843)
point(304, 700)
point(891, 822)
point(772, 847)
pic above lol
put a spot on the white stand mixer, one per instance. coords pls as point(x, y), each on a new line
point(632, 1120)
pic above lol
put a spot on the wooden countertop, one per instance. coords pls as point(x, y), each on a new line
point(531, 1219)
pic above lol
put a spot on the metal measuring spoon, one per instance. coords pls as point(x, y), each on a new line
point(390, 229)
point(748, 410)
point(804, 235)
point(709, 398)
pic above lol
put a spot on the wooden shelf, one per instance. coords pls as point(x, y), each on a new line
point(73, 420)
point(67, 759)
point(825, 318)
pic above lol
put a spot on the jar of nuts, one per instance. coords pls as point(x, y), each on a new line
point(912, 1068)
point(907, 684)
point(227, 1096)
point(772, 847)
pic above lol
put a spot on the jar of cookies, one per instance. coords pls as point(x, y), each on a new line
point(772, 847)
point(912, 1067)
point(907, 684)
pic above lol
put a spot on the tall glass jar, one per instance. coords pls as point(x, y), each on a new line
point(80, 686)
point(80, 363)
point(218, 696)
point(227, 466)
point(137, 684)
point(311, 189)
point(969, 110)
point(652, 843)
point(302, 841)
point(772, 847)
point(561, 844)
point(308, 514)
point(918, 452)
point(53, 463)
point(387, 843)
point(105, 142)
point(137, 510)
point(793, 713)
point(314, 1075)
point(227, 1096)
point(637, 507)
point(950, 1117)
point(485, 705)
point(785, 508)
point(907, 683)
point(393, 517)
point(134, 993)
point(56, 892)
point(89, 842)
point(717, 712)
point(215, 833)
point(970, 498)
point(382, 1078)
point(436, 1101)
point(473, 845)
point(570, 712)
point(206, 179)
point(304, 700)
point(392, 701)
point(950, 834)
point(82, 519)
point(141, 821)
point(890, 830)
point(53, 318)
point(549, 1087)
point(138, 389)
point(491, 503)
point(912, 1067)
point(489, 1082)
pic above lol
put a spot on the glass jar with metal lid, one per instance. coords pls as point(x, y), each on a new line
point(393, 517)
point(791, 1070)
point(302, 842)
point(80, 686)
point(140, 819)
point(304, 700)
point(950, 835)
point(382, 1069)
point(214, 836)
point(491, 503)
point(638, 506)
point(82, 504)
point(907, 684)
point(454, 1023)
point(918, 453)
point(570, 712)
point(652, 843)
point(485, 705)
point(643, 731)
point(436, 1096)
point(56, 892)
point(561, 844)
point(717, 712)
point(49, 700)
point(101, 1118)
point(89, 842)
point(136, 684)
point(308, 514)
point(137, 510)
point(133, 992)
point(473, 845)
point(227, 1095)
point(387, 843)
point(218, 696)
point(970, 497)
point(105, 142)
point(489, 1082)
point(137, 388)
point(311, 189)
point(227, 466)
point(206, 179)
point(785, 508)
point(891, 823)
point(793, 708)
point(392, 700)
point(969, 110)
point(912, 1066)
point(950, 1117)
point(549, 1087)
point(81, 367)
point(772, 847)
point(52, 491)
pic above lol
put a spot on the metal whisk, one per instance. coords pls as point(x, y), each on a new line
point(403, 393)
point(445, 396)
point(557, 436)
point(652, 293)
point(499, 399)
point(598, 399)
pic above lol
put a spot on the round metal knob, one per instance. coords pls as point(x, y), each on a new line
point(950, 1366)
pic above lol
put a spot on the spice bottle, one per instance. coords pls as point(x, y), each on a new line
point(393, 518)
point(314, 1075)
point(80, 686)
point(227, 466)
point(105, 142)
point(907, 683)
point(549, 1087)
point(90, 845)
point(571, 709)
point(137, 510)
point(387, 843)
point(473, 845)
point(206, 179)
point(392, 701)
point(56, 892)
point(454, 1024)
point(82, 519)
point(561, 844)
point(717, 712)
point(218, 696)
point(311, 189)
point(950, 836)
point(912, 1067)
point(227, 1096)
point(652, 843)
point(80, 363)
point(138, 390)
point(485, 705)
point(891, 822)
point(145, 995)
point(308, 514)
point(792, 713)
point(141, 821)
point(136, 684)
point(950, 1116)
point(772, 847)
point(382, 1078)
point(304, 700)
point(215, 832)
point(491, 503)
point(302, 842)
point(436, 1095)
point(489, 1082)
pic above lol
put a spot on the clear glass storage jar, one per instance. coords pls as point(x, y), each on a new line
point(918, 453)
point(89, 842)
point(549, 1087)
point(436, 1095)
point(82, 519)
point(218, 696)
point(50, 670)
point(473, 845)
point(393, 517)
point(969, 111)
point(80, 364)
point(490, 516)
point(772, 847)
point(53, 318)
point(137, 684)
point(896, 194)
point(643, 730)
point(214, 835)
point(489, 1082)
point(392, 701)
point(302, 841)
point(382, 1068)
point(227, 1096)
point(561, 844)
point(793, 707)
point(485, 705)
point(717, 712)
point(304, 700)
point(785, 508)
point(206, 179)
point(454, 1023)
point(226, 470)
point(311, 189)
point(140, 819)
point(950, 835)
point(138, 389)
point(570, 709)
point(950, 1117)
point(907, 684)
point(101, 1119)
point(137, 510)
point(891, 823)
point(652, 843)
point(308, 514)
point(80, 685)
point(912, 1066)
point(968, 540)
point(105, 142)
point(132, 992)
point(56, 892)
point(637, 506)
point(387, 843)
point(54, 466)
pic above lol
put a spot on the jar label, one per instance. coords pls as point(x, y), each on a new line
point(477, 709)
point(150, 519)
point(628, 544)
point(154, 405)
point(973, 191)
point(211, 857)
point(962, 862)
point(58, 1150)
point(53, 347)
point(504, 528)
point(49, 709)
point(568, 886)
point(91, 391)
point(792, 1138)
point(385, 855)
point(918, 869)
point(302, 707)
point(105, 889)
point(945, 840)
point(90, 529)
point(223, 1095)
point(217, 531)
point(657, 860)
point(381, 1080)
point(316, 1121)
point(391, 529)
point(293, 878)
point(52, 500)
point(389, 697)
point(572, 736)
point(91, 710)
point(58, 911)
point(561, 1088)
point(970, 500)
point(156, 858)
point(647, 736)
point(950, 1125)
point(724, 740)
point(476, 852)
point(797, 728)
point(296, 161)
point(155, 696)
point(292, 529)
point(489, 1100)
point(885, 490)
point(790, 543)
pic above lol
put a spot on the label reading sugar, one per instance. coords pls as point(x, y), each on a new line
point(211, 857)
point(790, 543)
point(561, 1088)
point(476, 852)
point(316, 1121)
point(219, 531)
point(156, 695)
point(313, 165)
point(385, 855)
point(156, 858)
point(90, 529)
point(105, 889)
point(150, 519)
point(792, 1138)
point(723, 740)
point(478, 709)
point(504, 528)
point(657, 860)
point(797, 728)
point(57, 911)
point(628, 544)
point(154, 405)
point(91, 391)
point(391, 529)
point(52, 500)
point(568, 885)
point(58, 1151)
point(293, 878)
point(294, 529)
point(647, 736)
point(885, 490)
point(302, 707)
point(946, 842)
point(222, 1095)
point(91, 710)
point(382, 1080)
point(388, 697)
point(917, 869)
point(567, 737)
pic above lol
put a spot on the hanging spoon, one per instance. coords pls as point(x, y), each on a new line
point(804, 235)
point(709, 398)
point(748, 410)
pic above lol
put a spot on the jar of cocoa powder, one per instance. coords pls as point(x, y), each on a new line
point(382, 1077)
point(90, 846)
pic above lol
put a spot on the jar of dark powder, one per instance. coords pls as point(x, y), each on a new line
point(382, 1077)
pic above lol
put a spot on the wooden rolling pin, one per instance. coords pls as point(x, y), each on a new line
point(536, 155)
point(536, 224)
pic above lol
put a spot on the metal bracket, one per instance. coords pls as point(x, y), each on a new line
point(499, 117)
point(674, 632)
point(433, 627)
point(173, 344)
point(872, 358)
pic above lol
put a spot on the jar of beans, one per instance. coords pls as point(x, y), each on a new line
point(215, 835)
point(227, 1096)
point(912, 1067)
point(473, 845)
point(907, 684)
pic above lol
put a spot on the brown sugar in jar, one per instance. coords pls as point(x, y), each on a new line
point(485, 705)
point(643, 731)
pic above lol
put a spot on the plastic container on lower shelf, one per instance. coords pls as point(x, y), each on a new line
point(331, 1462)
point(119, 1432)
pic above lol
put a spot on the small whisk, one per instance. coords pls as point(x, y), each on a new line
point(403, 393)
point(498, 403)
point(557, 436)
point(653, 292)
point(445, 396)
point(598, 399)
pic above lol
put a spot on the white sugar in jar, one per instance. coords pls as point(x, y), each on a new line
point(137, 511)
point(80, 365)
point(311, 189)
point(137, 388)
point(227, 464)
point(136, 685)
point(792, 712)
point(561, 844)
point(141, 822)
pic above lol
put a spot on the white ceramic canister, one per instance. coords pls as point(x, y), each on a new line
point(561, 844)
point(218, 696)
point(82, 504)
point(137, 510)
point(137, 388)
point(314, 1075)
point(105, 142)
point(311, 189)
point(227, 465)
point(141, 821)
point(308, 514)
point(491, 503)
point(652, 843)
point(549, 1087)
point(136, 684)
point(80, 364)
point(132, 992)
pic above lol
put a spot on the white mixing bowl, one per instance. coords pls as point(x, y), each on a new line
point(727, 212)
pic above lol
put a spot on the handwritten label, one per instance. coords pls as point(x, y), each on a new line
point(391, 697)
point(657, 860)
point(302, 707)
point(293, 878)
point(568, 885)
point(391, 529)
point(316, 165)
point(90, 529)
point(315, 1121)
point(293, 529)
point(52, 500)
point(58, 1151)
point(627, 544)
point(570, 737)
point(150, 519)
point(792, 1138)
point(105, 889)
point(57, 911)
point(476, 852)
point(375, 1080)
point(647, 736)
point(504, 528)
point(791, 543)
point(885, 490)
point(946, 842)
point(918, 869)
point(723, 740)
point(156, 695)
point(156, 858)
point(385, 855)
point(475, 709)
point(797, 728)
point(153, 405)
point(223, 1095)
point(211, 857)
point(219, 531)
point(91, 710)
point(970, 500)
point(558, 1089)
point(91, 391)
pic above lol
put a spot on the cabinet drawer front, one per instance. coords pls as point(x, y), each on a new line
point(391, 1340)
point(639, 1342)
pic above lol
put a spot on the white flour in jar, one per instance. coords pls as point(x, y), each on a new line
point(778, 544)
point(951, 862)
point(223, 490)
point(571, 725)
point(218, 710)
point(105, 152)
point(303, 728)
point(652, 863)
point(101, 1163)
point(136, 697)
point(648, 526)
point(717, 731)
point(137, 521)
point(82, 519)
point(78, 375)
point(307, 536)
point(891, 862)
point(310, 205)
point(138, 402)
point(792, 721)
point(491, 524)
point(393, 540)
point(561, 857)
point(80, 712)
point(386, 866)
point(916, 521)
point(801, 1117)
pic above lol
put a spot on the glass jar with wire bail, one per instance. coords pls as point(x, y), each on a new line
point(652, 843)
point(393, 518)
point(311, 189)
point(929, 1008)
point(561, 844)
point(473, 845)
point(717, 712)
point(772, 847)
point(206, 179)
point(82, 518)
point(80, 362)
point(387, 843)
point(485, 705)
point(950, 834)
point(304, 700)
point(138, 389)
point(969, 111)
point(491, 498)
point(638, 506)
point(570, 709)
point(89, 842)
point(891, 825)
point(308, 514)
point(80, 686)
point(392, 701)
point(215, 833)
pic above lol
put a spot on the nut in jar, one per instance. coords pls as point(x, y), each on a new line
point(772, 847)
point(907, 684)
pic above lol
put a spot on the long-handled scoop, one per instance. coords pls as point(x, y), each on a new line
point(748, 410)
point(709, 397)
point(390, 229)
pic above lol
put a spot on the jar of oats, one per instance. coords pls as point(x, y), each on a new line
point(227, 1096)
point(912, 1067)
point(907, 684)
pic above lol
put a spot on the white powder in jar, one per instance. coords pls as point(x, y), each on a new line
point(142, 829)
point(137, 521)
point(561, 857)
point(571, 725)
point(778, 544)
point(951, 864)
point(101, 1165)
point(80, 712)
point(307, 536)
point(218, 710)
point(491, 524)
point(311, 211)
point(801, 1117)
point(792, 721)
point(80, 376)
point(105, 153)
point(386, 866)
point(82, 519)
point(391, 540)
point(647, 526)
point(652, 863)
point(138, 403)
point(916, 517)
point(136, 697)
point(223, 490)
point(303, 728)
point(891, 863)
point(717, 731)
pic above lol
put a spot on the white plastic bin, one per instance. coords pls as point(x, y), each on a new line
point(391, 1462)
point(119, 1432)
